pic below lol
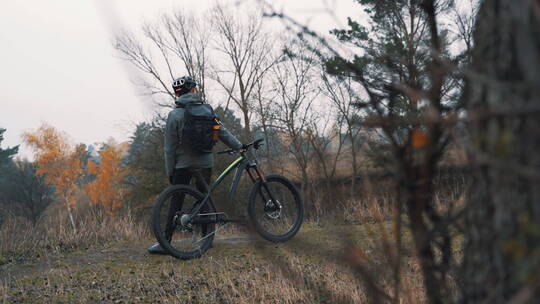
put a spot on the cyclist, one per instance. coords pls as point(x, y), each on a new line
point(181, 160)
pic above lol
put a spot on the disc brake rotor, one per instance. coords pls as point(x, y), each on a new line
point(272, 210)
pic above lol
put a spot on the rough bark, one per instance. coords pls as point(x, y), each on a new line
point(501, 252)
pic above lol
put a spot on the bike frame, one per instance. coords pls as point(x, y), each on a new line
point(241, 164)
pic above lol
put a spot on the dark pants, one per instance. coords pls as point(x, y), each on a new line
point(183, 177)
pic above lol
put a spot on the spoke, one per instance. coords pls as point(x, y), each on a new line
point(215, 231)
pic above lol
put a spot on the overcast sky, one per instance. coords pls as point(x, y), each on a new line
point(58, 66)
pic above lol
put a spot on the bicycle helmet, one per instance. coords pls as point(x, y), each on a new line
point(183, 84)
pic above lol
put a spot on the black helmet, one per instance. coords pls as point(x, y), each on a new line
point(183, 84)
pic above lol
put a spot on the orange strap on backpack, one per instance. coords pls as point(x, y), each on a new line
point(215, 132)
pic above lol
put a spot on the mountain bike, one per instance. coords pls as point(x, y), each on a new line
point(184, 220)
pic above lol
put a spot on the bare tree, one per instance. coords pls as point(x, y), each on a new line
point(134, 51)
point(294, 81)
point(342, 93)
point(248, 54)
point(265, 110)
point(178, 41)
point(189, 39)
point(463, 17)
point(323, 132)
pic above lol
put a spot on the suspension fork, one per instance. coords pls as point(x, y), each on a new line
point(260, 177)
point(257, 171)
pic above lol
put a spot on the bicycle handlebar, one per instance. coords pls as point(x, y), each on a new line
point(256, 145)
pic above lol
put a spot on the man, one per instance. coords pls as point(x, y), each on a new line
point(182, 160)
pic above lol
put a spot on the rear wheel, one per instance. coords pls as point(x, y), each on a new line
point(180, 237)
point(275, 208)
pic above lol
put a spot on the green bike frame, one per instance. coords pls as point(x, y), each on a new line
point(241, 164)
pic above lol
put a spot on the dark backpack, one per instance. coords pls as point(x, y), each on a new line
point(198, 131)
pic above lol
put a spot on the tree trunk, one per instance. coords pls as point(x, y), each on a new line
point(354, 162)
point(502, 243)
point(70, 213)
point(247, 124)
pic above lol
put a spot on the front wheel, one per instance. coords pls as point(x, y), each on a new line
point(275, 208)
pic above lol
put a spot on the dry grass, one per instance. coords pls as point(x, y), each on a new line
point(309, 269)
point(336, 258)
point(19, 236)
point(455, 155)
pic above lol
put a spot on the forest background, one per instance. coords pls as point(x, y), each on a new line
point(420, 115)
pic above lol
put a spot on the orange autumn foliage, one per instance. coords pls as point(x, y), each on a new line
point(107, 189)
point(57, 161)
point(419, 139)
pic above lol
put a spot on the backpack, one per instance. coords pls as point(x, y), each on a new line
point(200, 127)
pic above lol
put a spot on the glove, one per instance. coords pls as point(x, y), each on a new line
point(170, 179)
point(258, 143)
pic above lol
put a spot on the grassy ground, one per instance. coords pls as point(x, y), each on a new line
point(311, 268)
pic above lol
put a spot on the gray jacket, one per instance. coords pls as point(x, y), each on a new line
point(179, 156)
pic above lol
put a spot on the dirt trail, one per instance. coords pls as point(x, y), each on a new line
point(238, 269)
point(125, 252)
